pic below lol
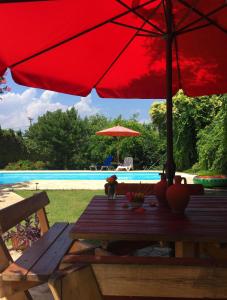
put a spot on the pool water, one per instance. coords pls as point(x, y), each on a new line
point(16, 177)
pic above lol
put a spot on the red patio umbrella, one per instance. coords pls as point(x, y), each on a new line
point(122, 48)
point(118, 131)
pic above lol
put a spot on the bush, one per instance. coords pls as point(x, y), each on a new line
point(26, 165)
point(212, 143)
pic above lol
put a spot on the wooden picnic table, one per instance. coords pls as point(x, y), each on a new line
point(204, 221)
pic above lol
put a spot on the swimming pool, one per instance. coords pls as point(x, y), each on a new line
point(20, 176)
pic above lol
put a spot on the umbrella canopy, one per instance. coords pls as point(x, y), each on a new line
point(118, 131)
point(116, 46)
point(122, 48)
point(14, 1)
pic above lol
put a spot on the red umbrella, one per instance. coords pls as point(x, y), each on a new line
point(15, 1)
point(122, 48)
point(118, 131)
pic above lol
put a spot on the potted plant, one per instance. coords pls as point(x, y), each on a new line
point(136, 200)
point(24, 234)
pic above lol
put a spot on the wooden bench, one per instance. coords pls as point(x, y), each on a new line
point(39, 261)
point(113, 277)
point(148, 188)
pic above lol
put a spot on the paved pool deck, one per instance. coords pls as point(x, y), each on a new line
point(8, 198)
point(76, 184)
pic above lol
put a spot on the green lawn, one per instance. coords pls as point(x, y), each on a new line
point(65, 205)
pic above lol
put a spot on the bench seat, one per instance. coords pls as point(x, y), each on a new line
point(39, 261)
point(142, 278)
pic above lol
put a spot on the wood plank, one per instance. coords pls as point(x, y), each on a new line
point(8, 289)
point(81, 247)
point(153, 218)
point(186, 249)
point(162, 281)
point(214, 250)
point(18, 296)
point(134, 221)
point(156, 218)
point(161, 231)
point(74, 285)
point(138, 298)
point(18, 270)
point(78, 247)
point(148, 234)
point(205, 220)
point(43, 221)
point(12, 215)
point(49, 261)
point(142, 260)
point(5, 257)
point(146, 188)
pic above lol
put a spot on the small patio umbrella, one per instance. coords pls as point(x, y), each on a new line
point(122, 48)
point(118, 131)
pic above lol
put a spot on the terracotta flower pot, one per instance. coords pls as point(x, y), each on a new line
point(160, 189)
point(178, 195)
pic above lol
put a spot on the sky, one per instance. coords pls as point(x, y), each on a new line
point(24, 102)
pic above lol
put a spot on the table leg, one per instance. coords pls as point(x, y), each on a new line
point(214, 250)
point(186, 249)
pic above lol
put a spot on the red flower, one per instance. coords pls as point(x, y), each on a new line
point(112, 179)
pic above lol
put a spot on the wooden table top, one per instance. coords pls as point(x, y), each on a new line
point(205, 220)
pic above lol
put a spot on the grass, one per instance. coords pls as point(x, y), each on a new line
point(65, 205)
point(202, 172)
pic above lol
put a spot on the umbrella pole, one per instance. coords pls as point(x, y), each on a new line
point(170, 165)
point(118, 150)
point(118, 160)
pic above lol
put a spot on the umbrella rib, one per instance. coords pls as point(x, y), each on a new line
point(187, 13)
point(118, 56)
point(177, 56)
point(141, 16)
point(164, 9)
point(187, 27)
point(198, 12)
point(77, 35)
point(148, 35)
point(122, 51)
point(193, 29)
point(137, 28)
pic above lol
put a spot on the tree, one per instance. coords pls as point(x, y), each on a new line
point(3, 87)
point(12, 147)
point(190, 115)
point(60, 138)
point(212, 143)
point(145, 149)
point(68, 142)
point(98, 146)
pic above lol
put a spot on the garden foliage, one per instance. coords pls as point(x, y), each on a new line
point(64, 140)
point(200, 130)
point(12, 147)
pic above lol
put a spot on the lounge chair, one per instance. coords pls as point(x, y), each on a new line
point(106, 164)
point(127, 165)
